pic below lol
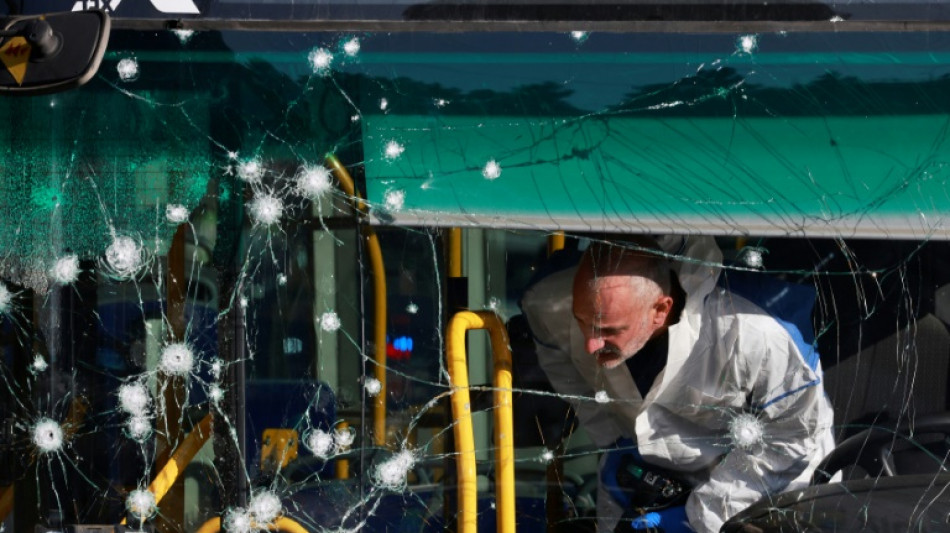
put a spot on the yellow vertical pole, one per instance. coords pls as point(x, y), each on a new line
point(555, 242)
point(379, 334)
point(6, 502)
point(343, 465)
point(463, 429)
point(504, 425)
point(379, 300)
point(455, 253)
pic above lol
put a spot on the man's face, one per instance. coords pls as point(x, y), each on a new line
point(615, 324)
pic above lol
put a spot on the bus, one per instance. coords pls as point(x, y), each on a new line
point(262, 262)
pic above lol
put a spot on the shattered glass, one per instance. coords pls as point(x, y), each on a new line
point(192, 332)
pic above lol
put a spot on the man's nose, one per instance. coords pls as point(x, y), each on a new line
point(594, 343)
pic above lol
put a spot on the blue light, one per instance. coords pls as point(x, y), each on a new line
point(403, 344)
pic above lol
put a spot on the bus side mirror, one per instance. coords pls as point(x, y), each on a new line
point(51, 53)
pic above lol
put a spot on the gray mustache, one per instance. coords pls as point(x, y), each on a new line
point(607, 350)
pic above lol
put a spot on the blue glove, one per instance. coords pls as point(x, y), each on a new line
point(672, 520)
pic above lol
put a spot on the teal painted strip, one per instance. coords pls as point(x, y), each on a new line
point(782, 172)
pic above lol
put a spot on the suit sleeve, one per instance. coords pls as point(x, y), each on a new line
point(774, 445)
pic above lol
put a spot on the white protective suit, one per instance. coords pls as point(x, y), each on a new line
point(726, 356)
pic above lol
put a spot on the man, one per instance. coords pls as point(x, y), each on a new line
point(705, 383)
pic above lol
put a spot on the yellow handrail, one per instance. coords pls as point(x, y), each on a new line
point(379, 295)
point(183, 455)
point(463, 430)
point(284, 524)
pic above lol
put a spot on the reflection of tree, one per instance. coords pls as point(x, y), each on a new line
point(545, 98)
point(725, 92)
point(836, 94)
point(722, 92)
point(408, 96)
point(706, 92)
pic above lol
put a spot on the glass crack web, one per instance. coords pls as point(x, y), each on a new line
point(205, 321)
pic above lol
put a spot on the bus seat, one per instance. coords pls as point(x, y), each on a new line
point(285, 404)
point(904, 375)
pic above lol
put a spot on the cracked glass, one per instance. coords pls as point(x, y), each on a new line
point(235, 269)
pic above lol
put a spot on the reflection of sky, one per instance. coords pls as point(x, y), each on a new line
point(605, 67)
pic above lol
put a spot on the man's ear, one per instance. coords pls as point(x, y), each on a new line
point(662, 308)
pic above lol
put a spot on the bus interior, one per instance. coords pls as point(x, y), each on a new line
point(263, 271)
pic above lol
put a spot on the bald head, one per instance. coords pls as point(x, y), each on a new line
point(621, 300)
point(643, 266)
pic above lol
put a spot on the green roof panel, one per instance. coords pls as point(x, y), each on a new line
point(846, 175)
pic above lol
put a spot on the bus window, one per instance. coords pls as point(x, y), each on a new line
point(302, 272)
